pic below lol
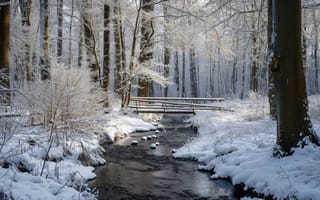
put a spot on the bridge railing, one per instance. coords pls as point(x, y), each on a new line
point(173, 105)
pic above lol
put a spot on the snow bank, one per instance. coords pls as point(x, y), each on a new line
point(240, 144)
point(31, 167)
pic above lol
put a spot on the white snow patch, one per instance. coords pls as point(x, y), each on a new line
point(240, 144)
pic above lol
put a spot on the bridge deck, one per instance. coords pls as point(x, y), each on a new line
point(173, 105)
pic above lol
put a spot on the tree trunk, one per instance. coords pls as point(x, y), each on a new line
point(176, 72)
point(193, 73)
point(5, 50)
point(80, 47)
point(70, 33)
point(106, 51)
point(271, 88)
point(90, 42)
point(60, 29)
point(119, 48)
point(293, 122)
point(166, 55)
point(25, 7)
point(254, 65)
point(44, 40)
point(315, 50)
point(234, 67)
point(146, 46)
point(183, 84)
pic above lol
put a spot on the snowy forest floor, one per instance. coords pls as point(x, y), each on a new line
point(236, 145)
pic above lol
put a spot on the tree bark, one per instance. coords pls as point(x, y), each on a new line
point(146, 47)
point(271, 89)
point(176, 72)
point(315, 50)
point(70, 33)
point(106, 51)
point(90, 41)
point(166, 55)
point(25, 7)
point(60, 29)
point(193, 73)
point(120, 56)
point(44, 40)
point(5, 50)
point(183, 84)
point(293, 122)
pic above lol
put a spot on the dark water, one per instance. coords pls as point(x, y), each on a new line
point(138, 172)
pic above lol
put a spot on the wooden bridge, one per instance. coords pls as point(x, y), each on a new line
point(174, 105)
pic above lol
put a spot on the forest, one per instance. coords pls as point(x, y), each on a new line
point(178, 48)
point(65, 61)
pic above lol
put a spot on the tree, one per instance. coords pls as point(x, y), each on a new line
point(293, 122)
point(44, 40)
point(120, 52)
point(5, 49)
point(146, 46)
point(271, 92)
point(106, 49)
point(60, 28)
point(25, 7)
point(90, 40)
point(166, 53)
point(70, 33)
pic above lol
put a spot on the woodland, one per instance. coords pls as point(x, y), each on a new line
point(68, 59)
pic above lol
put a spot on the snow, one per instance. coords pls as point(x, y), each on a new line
point(239, 145)
point(75, 149)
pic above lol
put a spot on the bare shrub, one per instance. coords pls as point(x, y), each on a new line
point(68, 94)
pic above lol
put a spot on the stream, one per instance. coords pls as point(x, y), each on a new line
point(137, 172)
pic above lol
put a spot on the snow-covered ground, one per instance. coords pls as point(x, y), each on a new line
point(239, 145)
point(24, 175)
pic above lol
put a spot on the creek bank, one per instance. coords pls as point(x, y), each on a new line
point(138, 172)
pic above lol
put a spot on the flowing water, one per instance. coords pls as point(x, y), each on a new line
point(138, 172)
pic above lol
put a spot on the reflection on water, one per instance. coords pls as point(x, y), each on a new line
point(137, 172)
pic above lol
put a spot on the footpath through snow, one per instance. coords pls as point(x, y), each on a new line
point(239, 145)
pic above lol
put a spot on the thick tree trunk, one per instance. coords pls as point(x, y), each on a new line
point(5, 50)
point(60, 29)
point(44, 40)
point(293, 122)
